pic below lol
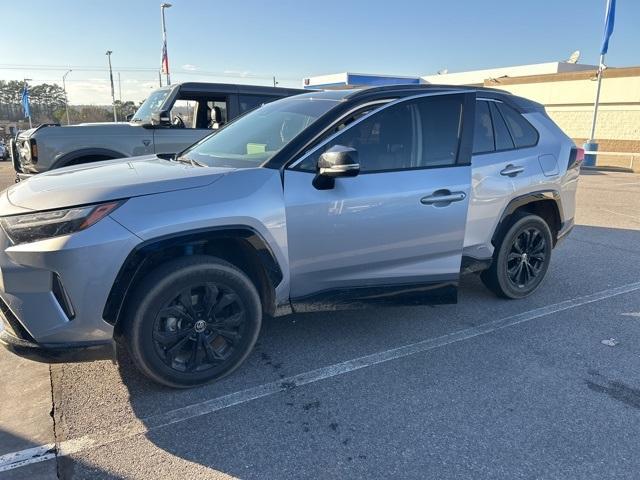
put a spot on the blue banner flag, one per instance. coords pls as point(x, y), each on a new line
point(25, 101)
point(608, 25)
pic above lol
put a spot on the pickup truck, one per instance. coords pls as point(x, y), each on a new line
point(170, 119)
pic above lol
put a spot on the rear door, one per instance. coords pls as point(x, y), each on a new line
point(395, 232)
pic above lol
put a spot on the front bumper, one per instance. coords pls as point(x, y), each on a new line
point(58, 353)
point(53, 292)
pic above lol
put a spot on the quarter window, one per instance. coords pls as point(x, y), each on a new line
point(414, 134)
point(501, 132)
point(522, 132)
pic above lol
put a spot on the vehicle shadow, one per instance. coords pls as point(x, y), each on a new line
point(295, 433)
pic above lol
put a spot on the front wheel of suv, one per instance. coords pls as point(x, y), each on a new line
point(521, 257)
point(192, 321)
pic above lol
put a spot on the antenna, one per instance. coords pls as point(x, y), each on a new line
point(444, 71)
point(574, 57)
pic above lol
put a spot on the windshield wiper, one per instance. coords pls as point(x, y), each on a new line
point(190, 161)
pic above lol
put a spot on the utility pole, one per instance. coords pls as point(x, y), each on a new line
point(66, 100)
point(165, 55)
point(113, 92)
point(274, 81)
point(119, 88)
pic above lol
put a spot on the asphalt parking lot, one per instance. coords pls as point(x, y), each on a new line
point(487, 388)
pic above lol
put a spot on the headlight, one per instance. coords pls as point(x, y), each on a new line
point(38, 226)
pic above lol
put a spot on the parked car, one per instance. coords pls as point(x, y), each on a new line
point(319, 201)
point(171, 119)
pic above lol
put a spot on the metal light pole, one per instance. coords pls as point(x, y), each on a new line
point(165, 55)
point(113, 92)
point(66, 100)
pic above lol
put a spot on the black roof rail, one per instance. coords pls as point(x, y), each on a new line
point(523, 105)
point(423, 86)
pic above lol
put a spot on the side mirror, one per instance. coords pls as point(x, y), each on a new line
point(338, 161)
point(129, 117)
point(161, 119)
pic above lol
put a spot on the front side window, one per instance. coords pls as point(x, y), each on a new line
point(256, 137)
point(420, 133)
point(183, 113)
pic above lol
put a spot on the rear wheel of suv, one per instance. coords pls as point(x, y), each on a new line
point(192, 321)
point(521, 257)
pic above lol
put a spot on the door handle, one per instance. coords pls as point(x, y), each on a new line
point(511, 170)
point(442, 198)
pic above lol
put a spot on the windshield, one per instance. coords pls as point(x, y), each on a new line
point(259, 135)
point(151, 105)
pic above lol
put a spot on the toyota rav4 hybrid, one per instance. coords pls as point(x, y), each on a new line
point(323, 200)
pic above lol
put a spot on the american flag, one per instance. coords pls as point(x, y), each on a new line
point(165, 59)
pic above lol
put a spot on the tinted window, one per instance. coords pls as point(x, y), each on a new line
point(483, 131)
point(415, 134)
point(249, 102)
point(522, 132)
point(502, 135)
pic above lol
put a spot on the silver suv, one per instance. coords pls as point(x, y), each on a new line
point(318, 201)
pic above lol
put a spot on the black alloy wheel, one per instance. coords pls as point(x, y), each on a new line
point(191, 321)
point(526, 257)
point(521, 257)
point(199, 328)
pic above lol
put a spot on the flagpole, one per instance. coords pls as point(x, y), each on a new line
point(165, 54)
point(591, 146)
point(601, 69)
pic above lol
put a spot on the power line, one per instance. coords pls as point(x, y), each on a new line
point(86, 68)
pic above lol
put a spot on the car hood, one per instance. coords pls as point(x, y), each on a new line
point(109, 180)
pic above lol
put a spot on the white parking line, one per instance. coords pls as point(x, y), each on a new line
point(154, 422)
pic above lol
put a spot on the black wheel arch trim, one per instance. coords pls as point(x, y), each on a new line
point(85, 152)
point(529, 198)
point(133, 265)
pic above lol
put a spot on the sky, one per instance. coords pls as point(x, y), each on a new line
point(250, 41)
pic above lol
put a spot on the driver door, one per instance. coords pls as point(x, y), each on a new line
point(384, 236)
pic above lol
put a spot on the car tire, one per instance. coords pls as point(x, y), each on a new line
point(192, 321)
point(521, 257)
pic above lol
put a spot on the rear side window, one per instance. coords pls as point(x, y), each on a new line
point(522, 132)
point(483, 131)
point(502, 135)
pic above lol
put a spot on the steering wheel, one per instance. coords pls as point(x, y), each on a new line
point(178, 122)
